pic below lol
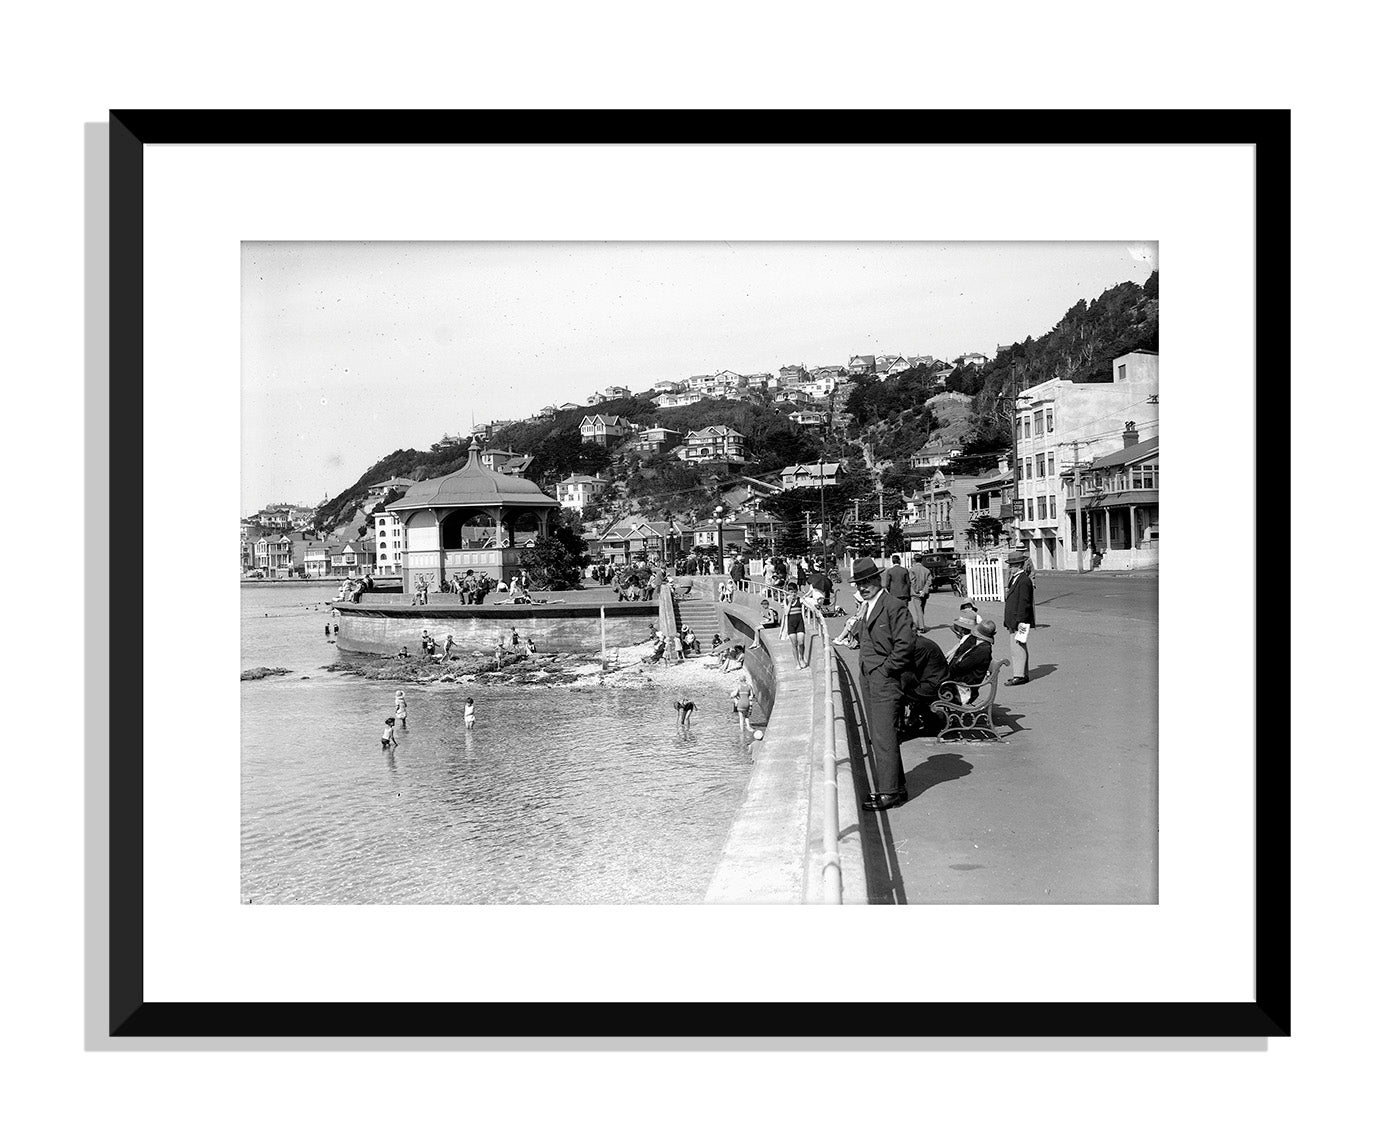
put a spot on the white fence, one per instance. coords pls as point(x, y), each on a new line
point(986, 578)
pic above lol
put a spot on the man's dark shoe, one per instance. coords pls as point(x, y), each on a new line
point(1015, 680)
point(885, 802)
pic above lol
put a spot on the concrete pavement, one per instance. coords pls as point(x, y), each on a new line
point(1064, 810)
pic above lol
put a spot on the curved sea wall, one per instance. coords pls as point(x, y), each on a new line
point(373, 626)
point(774, 852)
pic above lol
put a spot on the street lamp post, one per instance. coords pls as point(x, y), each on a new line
point(719, 528)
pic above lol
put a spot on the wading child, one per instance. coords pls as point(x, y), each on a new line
point(386, 737)
point(401, 708)
point(469, 713)
point(743, 699)
point(684, 708)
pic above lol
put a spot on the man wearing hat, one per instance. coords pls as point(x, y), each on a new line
point(1020, 611)
point(886, 641)
point(968, 662)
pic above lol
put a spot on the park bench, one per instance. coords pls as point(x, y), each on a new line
point(970, 721)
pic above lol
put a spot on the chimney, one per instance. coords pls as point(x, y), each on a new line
point(1130, 435)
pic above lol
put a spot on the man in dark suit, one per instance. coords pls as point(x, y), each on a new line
point(896, 581)
point(921, 681)
point(886, 640)
point(1020, 610)
point(968, 663)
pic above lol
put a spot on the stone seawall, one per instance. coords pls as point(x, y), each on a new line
point(378, 627)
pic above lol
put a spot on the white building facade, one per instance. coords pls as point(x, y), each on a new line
point(1061, 422)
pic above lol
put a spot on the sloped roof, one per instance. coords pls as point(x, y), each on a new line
point(473, 484)
point(1125, 457)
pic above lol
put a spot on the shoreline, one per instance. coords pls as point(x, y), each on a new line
point(627, 667)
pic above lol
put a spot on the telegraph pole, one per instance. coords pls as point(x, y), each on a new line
point(822, 494)
point(1078, 516)
point(807, 513)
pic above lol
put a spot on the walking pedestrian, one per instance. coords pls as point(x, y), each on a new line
point(896, 581)
point(795, 626)
point(921, 585)
point(1019, 618)
point(886, 639)
point(742, 695)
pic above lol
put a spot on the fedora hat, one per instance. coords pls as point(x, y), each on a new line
point(964, 622)
point(864, 569)
point(986, 630)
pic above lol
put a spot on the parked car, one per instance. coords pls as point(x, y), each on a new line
point(947, 569)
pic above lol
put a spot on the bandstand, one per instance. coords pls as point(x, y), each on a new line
point(472, 519)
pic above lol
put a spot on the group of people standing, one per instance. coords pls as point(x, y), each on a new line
point(902, 667)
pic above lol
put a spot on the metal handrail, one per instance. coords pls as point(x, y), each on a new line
point(831, 821)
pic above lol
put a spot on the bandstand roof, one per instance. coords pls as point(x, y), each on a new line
point(474, 484)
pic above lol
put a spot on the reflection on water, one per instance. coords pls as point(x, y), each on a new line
point(556, 796)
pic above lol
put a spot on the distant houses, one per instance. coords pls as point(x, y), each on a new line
point(806, 475)
point(713, 444)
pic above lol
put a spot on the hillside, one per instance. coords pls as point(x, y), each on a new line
point(558, 449)
point(894, 418)
point(885, 421)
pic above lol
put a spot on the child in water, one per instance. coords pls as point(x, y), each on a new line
point(386, 738)
point(401, 708)
point(469, 713)
point(743, 699)
point(685, 707)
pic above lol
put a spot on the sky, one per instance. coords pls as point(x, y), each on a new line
point(353, 350)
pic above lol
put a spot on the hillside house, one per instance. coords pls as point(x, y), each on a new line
point(713, 443)
point(807, 417)
point(577, 490)
point(727, 378)
point(931, 458)
point(764, 381)
point(792, 376)
point(669, 401)
point(975, 361)
point(604, 429)
point(806, 475)
point(655, 440)
point(861, 364)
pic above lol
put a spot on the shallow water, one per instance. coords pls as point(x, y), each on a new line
point(557, 795)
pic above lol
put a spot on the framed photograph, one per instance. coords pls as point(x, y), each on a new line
point(665, 539)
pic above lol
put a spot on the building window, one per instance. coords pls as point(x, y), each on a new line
point(1040, 508)
point(1122, 372)
point(1050, 462)
point(1039, 423)
point(1040, 465)
point(1030, 510)
point(1052, 506)
point(1026, 426)
point(1049, 421)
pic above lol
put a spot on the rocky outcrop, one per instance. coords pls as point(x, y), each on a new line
point(260, 673)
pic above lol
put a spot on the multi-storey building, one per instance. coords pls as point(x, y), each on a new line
point(1061, 423)
point(577, 490)
point(713, 443)
point(387, 544)
point(1115, 504)
point(807, 475)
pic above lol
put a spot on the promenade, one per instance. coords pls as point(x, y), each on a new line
point(1064, 809)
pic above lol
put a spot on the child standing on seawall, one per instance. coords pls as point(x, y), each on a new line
point(386, 737)
point(469, 713)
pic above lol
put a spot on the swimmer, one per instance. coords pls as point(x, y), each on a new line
point(469, 713)
point(386, 737)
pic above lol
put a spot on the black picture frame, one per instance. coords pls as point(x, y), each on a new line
point(131, 1015)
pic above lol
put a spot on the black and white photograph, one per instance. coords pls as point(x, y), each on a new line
point(685, 573)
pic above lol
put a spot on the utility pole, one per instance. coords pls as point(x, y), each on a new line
point(807, 513)
point(822, 495)
point(1078, 516)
